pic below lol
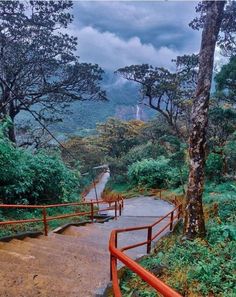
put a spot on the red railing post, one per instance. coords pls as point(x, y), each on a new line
point(111, 266)
point(115, 209)
point(45, 221)
point(92, 211)
point(171, 220)
point(113, 258)
point(119, 209)
point(149, 240)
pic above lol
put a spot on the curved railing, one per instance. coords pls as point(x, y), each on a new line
point(93, 205)
point(118, 254)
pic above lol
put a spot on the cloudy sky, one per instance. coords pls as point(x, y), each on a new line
point(116, 34)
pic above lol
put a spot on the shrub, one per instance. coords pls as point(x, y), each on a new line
point(214, 166)
point(144, 151)
point(177, 176)
point(202, 267)
point(230, 153)
point(149, 172)
point(34, 178)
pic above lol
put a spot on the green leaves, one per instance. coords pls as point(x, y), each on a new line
point(34, 178)
point(149, 172)
point(199, 267)
point(214, 166)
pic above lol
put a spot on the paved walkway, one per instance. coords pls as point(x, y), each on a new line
point(99, 188)
point(138, 211)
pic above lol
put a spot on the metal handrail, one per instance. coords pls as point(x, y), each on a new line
point(53, 205)
point(118, 254)
point(118, 205)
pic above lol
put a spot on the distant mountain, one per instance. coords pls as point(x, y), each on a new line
point(123, 103)
point(123, 100)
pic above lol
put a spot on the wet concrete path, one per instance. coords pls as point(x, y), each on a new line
point(137, 212)
point(100, 186)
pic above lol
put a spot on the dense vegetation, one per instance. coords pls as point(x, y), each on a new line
point(145, 156)
point(150, 155)
point(203, 267)
point(33, 178)
point(38, 178)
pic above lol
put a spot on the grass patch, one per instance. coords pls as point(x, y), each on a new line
point(129, 191)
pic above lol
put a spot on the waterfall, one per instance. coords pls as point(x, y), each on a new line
point(138, 115)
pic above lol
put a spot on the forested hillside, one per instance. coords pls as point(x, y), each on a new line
point(82, 117)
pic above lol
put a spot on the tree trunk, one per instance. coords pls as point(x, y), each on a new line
point(194, 217)
point(11, 129)
point(8, 110)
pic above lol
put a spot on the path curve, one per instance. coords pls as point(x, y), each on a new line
point(100, 186)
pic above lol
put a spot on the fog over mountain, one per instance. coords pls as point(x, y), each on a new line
point(123, 102)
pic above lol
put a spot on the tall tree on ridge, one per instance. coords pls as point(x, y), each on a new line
point(194, 218)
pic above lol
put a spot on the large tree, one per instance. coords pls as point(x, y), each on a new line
point(39, 69)
point(166, 92)
point(211, 18)
point(117, 137)
point(226, 37)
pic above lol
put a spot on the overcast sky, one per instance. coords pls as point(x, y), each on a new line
point(116, 34)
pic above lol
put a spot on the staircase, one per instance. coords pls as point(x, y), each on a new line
point(74, 263)
point(58, 265)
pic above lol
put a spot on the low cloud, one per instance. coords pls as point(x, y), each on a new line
point(159, 23)
point(112, 52)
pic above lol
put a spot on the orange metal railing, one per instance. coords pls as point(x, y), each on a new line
point(116, 206)
point(118, 254)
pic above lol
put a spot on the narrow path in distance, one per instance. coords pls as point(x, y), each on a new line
point(100, 186)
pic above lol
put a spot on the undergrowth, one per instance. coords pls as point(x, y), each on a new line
point(200, 267)
point(129, 191)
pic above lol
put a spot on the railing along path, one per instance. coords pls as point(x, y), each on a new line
point(93, 205)
point(115, 252)
point(118, 254)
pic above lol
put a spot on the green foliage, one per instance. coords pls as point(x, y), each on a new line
point(200, 267)
point(207, 268)
point(226, 79)
point(222, 125)
point(118, 168)
point(230, 153)
point(149, 172)
point(156, 81)
point(117, 136)
point(34, 178)
point(144, 151)
point(34, 42)
point(214, 166)
point(87, 151)
point(158, 173)
point(177, 176)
